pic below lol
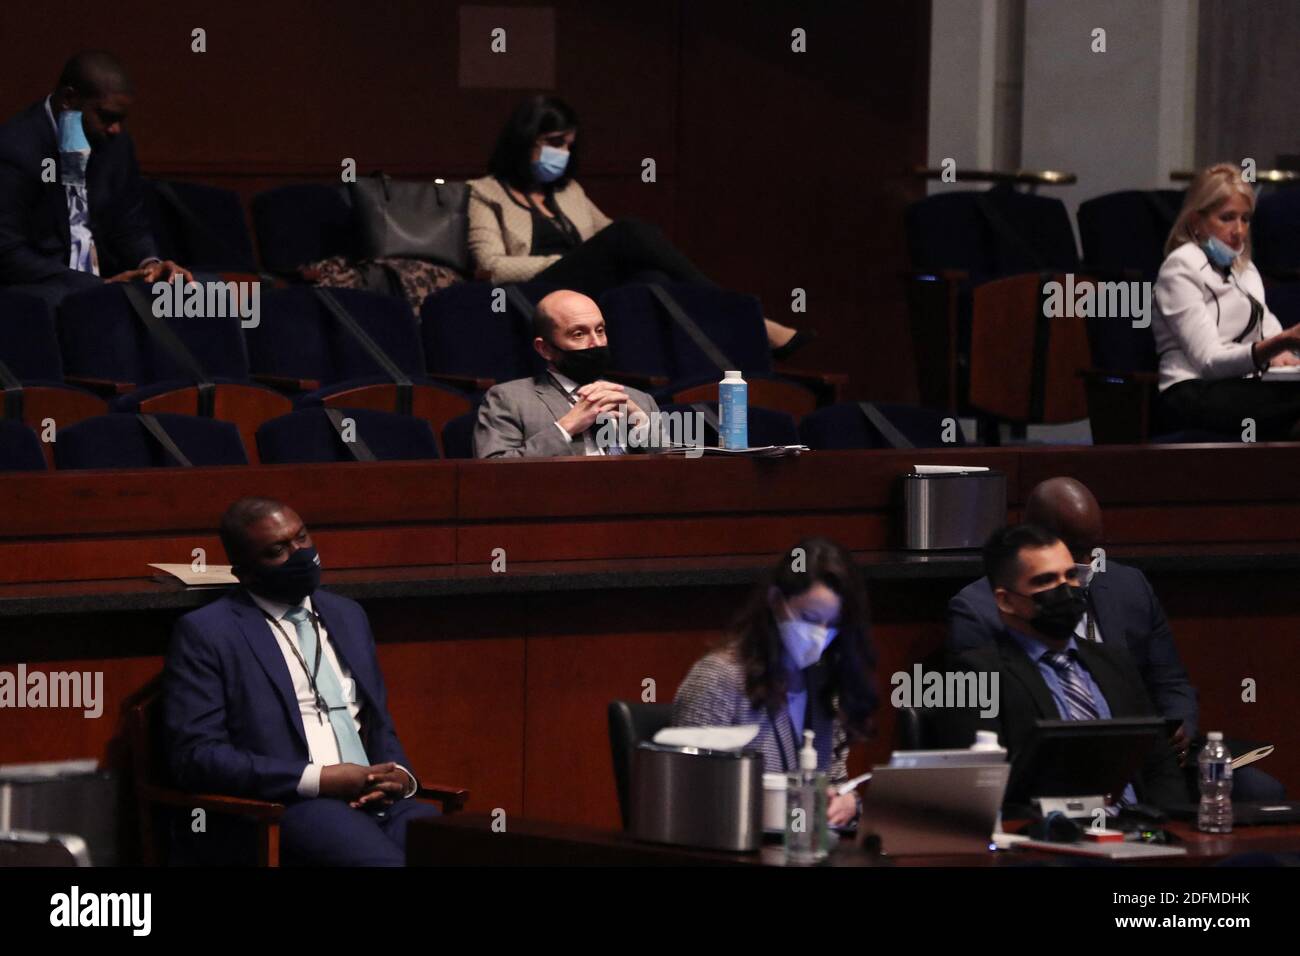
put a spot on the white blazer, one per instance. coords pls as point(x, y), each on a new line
point(1198, 315)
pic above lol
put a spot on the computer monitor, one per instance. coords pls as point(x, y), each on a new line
point(1069, 758)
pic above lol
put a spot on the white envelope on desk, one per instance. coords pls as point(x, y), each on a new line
point(212, 574)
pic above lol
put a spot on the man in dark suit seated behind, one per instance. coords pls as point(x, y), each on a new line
point(274, 692)
point(1045, 673)
point(1121, 609)
point(64, 226)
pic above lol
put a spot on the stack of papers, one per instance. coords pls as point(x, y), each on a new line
point(213, 575)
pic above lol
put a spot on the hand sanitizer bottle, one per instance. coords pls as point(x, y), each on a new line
point(807, 836)
point(733, 411)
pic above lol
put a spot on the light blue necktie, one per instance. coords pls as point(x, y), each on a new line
point(327, 684)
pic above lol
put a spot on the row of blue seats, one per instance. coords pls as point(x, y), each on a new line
point(123, 440)
point(1001, 232)
point(463, 335)
point(1120, 232)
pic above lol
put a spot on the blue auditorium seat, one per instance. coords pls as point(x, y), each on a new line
point(122, 441)
point(301, 341)
point(645, 341)
point(20, 449)
point(458, 436)
point(1124, 233)
point(845, 425)
point(303, 223)
point(209, 235)
point(308, 436)
point(1275, 233)
point(29, 349)
point(464, 337)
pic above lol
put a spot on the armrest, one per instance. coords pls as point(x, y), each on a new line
point(101, 386)
point(638, 379)
point(288, 384)
point(827, 386)
point(468, 382)
point(216, 803)
point(452, 798)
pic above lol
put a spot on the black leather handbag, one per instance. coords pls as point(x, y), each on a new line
point(412, 220)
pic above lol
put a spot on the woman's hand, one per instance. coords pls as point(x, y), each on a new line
point(841, 808)
point(1283, 360)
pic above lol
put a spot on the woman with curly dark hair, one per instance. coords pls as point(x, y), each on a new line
point(799, 657)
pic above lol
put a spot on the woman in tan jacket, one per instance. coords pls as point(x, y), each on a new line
point(529, 219)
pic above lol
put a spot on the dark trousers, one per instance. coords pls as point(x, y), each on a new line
point(319, 832)
point(1220, 406)
point(327, 832)
point(56, 288)
point(624, 251)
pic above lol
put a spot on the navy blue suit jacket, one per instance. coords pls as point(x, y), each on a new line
point(35, 240)
point(232, 720)
point(1128, 616)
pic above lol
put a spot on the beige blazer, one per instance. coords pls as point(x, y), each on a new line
point(501, 232)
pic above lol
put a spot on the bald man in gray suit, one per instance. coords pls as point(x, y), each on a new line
point(556, 412)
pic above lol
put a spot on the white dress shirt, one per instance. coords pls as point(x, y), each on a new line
point(321, 743)
point(589, 446)
point(1199, 312)
point(81, 256)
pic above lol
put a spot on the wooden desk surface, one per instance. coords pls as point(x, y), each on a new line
point(469, 839)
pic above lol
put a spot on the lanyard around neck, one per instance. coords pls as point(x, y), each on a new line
point(322, 706)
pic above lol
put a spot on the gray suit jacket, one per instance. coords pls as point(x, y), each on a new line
point(517, 420)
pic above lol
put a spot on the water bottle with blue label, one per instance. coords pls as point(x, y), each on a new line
point(733, 411)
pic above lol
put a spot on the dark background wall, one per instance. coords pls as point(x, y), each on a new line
point(776, 170)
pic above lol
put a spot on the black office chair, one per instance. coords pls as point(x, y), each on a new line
point(916, 729)
point(629, 724)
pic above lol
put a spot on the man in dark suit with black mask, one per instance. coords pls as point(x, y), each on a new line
point(1044, 671)
point(71, 204)
point(1120, 609)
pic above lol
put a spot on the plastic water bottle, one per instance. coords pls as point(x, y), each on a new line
point(733, 411)
point(807, 835)
point(986, 741)
point(1215, 765)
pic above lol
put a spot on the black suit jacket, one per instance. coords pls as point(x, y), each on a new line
point(34, 237)
point(1128, 615)
point(1023, 698)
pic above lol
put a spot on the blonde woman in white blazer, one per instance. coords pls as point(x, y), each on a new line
point(1214, 333)
point(529, 219)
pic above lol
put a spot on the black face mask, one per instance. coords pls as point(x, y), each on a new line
point(1058, 610)
point(584, 366)
point(287, 583)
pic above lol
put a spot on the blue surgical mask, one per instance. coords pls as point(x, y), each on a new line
point(72, 135)
point(804, 641)
point(551, 164)
point(1220, 253)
